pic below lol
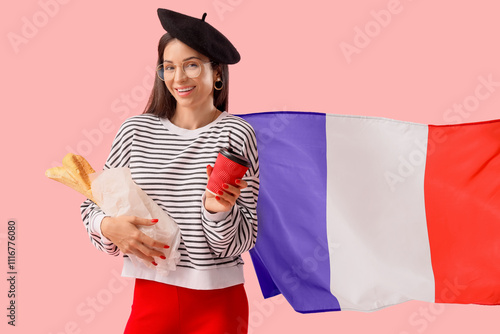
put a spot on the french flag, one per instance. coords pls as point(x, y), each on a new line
point(360, 213)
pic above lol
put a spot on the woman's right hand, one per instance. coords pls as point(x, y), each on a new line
point(123, 232)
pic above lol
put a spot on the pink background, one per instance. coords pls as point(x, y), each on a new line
point(66, 87)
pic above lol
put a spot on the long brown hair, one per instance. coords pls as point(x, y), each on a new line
point(162, 104)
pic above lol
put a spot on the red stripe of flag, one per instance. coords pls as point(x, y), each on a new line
point(462, 200)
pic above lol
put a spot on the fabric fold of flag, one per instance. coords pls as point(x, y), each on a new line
point(360, 213)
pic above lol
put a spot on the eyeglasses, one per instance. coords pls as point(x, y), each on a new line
point(192, 69)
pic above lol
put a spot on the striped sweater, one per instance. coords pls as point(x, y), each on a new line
point(169, 164)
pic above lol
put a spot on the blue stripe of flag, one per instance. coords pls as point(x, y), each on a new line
point(291, 253)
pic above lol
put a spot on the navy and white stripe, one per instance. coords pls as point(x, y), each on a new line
point(171, 168)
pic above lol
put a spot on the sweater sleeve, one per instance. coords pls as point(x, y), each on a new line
point(234, 232)
point(92, 215)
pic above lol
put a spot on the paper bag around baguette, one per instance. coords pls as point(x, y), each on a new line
point(74, 173)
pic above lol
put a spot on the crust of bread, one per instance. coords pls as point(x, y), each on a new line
point(78, 168)
point(60, 174)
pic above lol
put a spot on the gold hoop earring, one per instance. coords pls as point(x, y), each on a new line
point(218, 84)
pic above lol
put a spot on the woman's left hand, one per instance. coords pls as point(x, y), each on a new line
point(225, 201)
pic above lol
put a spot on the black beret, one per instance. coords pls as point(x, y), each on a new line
point(199, 35)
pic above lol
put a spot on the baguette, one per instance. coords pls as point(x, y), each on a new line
point(74, 173)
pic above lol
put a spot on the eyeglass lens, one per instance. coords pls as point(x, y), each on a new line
point(191, 68)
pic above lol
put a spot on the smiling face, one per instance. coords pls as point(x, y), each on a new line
point(188, 92)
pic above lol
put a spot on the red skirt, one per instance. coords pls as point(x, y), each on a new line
point(160, 308)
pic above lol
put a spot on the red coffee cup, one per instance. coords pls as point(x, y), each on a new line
point(228, 167)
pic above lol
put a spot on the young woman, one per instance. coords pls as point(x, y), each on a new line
point(169, 149)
